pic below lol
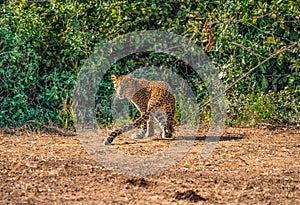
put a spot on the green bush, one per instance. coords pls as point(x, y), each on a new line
point(43, 45)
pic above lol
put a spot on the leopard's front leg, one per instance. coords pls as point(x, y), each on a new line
point(142, 133)
point(150, 127)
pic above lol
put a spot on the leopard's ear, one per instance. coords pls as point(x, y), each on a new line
point(113, 78)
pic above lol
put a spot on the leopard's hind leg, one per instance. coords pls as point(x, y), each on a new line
point(162, 120)
point(142, 133)
point(150, 126)
point(149, 131)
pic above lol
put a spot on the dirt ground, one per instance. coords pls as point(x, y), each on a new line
point(248, 166)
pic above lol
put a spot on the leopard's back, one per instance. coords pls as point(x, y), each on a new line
point(141, 91)
point(151, 92)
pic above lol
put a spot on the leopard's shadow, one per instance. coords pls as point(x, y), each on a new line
point(206, 138)
point(187, 138)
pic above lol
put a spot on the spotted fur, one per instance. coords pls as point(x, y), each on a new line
point(154, 100)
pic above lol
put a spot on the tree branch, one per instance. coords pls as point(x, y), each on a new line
point(251, 70)
point(6, 52)
point(246, 48)
point(261, 63)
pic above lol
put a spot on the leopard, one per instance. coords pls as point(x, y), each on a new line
point(153, 99)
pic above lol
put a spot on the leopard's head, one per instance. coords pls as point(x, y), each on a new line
point(125, 85)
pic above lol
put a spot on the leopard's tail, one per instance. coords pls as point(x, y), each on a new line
point(117, 132)
point(138, 122)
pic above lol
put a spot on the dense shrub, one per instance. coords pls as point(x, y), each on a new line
point(43, 45)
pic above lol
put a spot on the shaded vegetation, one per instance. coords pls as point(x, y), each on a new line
point(43, 45)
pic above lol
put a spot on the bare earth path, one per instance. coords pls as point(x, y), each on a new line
point(248, 166)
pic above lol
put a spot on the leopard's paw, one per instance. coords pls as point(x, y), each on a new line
point(166, 135)
point(141, 135)
point(138, 136)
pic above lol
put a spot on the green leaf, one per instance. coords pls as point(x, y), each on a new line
point(114, 11)
point(264, 83)
point(271, 40)
point(153, 6)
